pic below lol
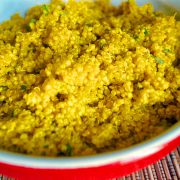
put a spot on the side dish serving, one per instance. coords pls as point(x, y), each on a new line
point(86, 77)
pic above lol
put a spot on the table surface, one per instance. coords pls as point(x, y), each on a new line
point(168, 168)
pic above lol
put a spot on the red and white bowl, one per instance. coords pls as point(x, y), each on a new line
point(100, 166)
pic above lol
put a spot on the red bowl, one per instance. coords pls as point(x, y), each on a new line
point(100, 166)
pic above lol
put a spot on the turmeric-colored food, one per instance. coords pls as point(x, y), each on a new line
point(82, 78)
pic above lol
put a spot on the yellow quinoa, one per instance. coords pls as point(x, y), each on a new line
point(81, 78)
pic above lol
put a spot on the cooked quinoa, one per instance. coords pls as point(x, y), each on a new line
point(82, 78)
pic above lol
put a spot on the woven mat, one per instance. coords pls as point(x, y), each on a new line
point(167, 168)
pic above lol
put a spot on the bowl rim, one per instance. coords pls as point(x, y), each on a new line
point(124, 156)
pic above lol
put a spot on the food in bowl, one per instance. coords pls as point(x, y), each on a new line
point(82, 78)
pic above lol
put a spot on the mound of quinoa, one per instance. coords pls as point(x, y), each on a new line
point(82, 78)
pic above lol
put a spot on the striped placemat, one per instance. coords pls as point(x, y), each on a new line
point(168, 168)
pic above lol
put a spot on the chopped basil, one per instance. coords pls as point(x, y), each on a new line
point(12, 113)
point(89, 24)
point(45, 9)
point(33, 20)
point(146, 32)
point(30, 24)
point(46, 146)
point(68, 150)
point(166, 50)
point(136, 37)
point(28, 29)
point(159, 60)
point(63, 13)
point(23, 87)
point(36, 71)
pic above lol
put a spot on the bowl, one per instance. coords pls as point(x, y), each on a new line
point(101, 166)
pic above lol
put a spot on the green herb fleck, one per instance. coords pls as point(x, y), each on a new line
point(146, 32)
point(28, 29)
point(30, 25)
point(68, 150)
point(45, 9)
point(136, 37)
point(23, 87)
point(63, 13)
point(46, 146)
point(107, 31)
point(166, 50)
point(33, 20)
point(12, 113)
point(3, 88)
point(102, 43)
point(36, 71)
point(159, 60)
point(89, 24)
